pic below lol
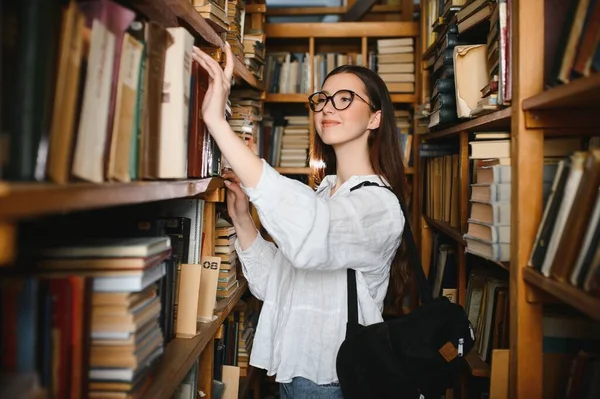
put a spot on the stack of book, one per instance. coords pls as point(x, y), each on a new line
point(254, 51)
point(225, 237)
point(294, 142)
point(443, 89)
point(236, 13)
point(396, 64)
point(246, 116)
point(125, 335)
point(214, 12)
point(488, 233)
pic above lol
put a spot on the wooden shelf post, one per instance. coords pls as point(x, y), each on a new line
point(525, 363)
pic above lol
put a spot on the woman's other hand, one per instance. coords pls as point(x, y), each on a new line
point(219, 84)
point(237, 201)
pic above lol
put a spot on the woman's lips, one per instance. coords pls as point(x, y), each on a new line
point(329, 123)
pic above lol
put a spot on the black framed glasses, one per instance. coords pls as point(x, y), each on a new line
point(340, 100)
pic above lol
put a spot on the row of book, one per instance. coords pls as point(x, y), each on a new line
point(566, 246)
point(470, 70)
point(393, 59)
point(119, 98)
point(90, 309)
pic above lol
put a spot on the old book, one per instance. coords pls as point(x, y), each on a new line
point(174, 131)
point(189, 289)
point(578, 218)
point(126, 102)
point(208, 288)
point(62, 130)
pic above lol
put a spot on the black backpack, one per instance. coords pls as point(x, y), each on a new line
point(418, 355)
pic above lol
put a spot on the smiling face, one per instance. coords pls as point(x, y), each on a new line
point(352, 124)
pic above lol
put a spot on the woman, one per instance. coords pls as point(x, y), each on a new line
point(319, 234)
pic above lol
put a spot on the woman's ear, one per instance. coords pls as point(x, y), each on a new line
point(375, 120)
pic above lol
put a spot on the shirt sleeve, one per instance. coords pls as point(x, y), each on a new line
point(257, 262)
point(361, 230)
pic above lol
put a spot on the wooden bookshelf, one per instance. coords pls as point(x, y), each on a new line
point(180, 354)
point(404, 97)
point(476, 366)
point(498, 120)
point(565, 292)
point(185, 11)
point(341, 29)
point(19, 200)
point(304, 11)
point(445, 228)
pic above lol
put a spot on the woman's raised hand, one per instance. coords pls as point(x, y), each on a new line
point(219, 83)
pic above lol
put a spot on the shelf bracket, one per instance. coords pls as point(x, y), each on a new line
point(563, 118)
point(8, 242)
point(535, 295)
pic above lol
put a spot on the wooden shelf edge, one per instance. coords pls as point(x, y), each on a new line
point(295, 11)
point(572, 94)
point(565, 292)
point(286, 98)
point(445, 228)
point(477, 367)
point(21, 200)
point(494, 120)
point(307, 30)
point(404, 97)
point(180, 354)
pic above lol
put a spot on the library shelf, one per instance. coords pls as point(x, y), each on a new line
point(398, 98)
point(294, 171)
point(341, 29)
point(180, 354)
point(184, 10)
point(445, 228)
point(498, 120)
point(477, 367)
point(580, 93)
point(409, 171)
point(297, 11)
point(565, 292)
point(21, 200)
point(286, 98)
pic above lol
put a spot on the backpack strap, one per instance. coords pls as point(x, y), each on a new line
point(417, 268)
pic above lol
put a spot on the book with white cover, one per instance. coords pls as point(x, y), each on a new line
point(173, 150)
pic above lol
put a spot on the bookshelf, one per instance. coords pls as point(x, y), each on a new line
point(180, 354)
point(351, 37)
point(537, 113)
point(21, 200)
point(25, 202)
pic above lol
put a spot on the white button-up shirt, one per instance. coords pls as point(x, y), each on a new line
point(302, 280)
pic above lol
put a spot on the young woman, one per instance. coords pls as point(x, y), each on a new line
point(319, 234)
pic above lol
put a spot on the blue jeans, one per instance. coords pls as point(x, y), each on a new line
point(301, 388)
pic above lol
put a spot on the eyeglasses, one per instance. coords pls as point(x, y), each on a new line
point(340, 100)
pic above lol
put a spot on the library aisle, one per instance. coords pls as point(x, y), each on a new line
point(119, 276)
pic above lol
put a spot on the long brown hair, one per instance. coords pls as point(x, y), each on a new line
point(386, 160)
